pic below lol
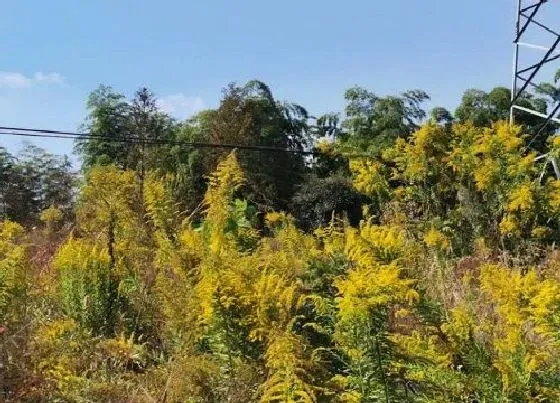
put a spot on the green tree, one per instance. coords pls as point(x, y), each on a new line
point(49, 178)
point(32, 182)
point(249, 115)
point(550, 90)
point(123, 131)
point(108, 117)
point(374, 123)
point(14, 195)
point(441, 115)
point(188, 165)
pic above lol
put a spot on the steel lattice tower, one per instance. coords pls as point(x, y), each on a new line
point(525, 73)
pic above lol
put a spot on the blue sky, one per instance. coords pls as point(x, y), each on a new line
point(53, 53)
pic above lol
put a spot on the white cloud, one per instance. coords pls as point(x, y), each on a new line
point(54, 78)
point(19, 80)
point(181, 106)
point(14, 80)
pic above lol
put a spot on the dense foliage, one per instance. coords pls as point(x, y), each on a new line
point(409, 261)
point(33, 181)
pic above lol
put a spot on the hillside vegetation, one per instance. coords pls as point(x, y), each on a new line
point(413, 259)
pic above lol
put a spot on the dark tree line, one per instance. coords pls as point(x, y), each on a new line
point(33, 181)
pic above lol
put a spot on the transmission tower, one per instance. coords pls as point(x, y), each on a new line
point(528, 13)
point(531, 58)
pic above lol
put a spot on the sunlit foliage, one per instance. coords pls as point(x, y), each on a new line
point(448, 290)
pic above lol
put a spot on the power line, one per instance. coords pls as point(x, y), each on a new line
point(26, 129)
point(61, 134)
point(58, 134)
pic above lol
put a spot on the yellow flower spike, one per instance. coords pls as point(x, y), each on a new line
point(509, 226)
point(521, 199)
point(435, 239)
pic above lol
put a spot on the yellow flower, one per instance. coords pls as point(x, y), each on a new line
point(425, 347)
point(553, 191)
point(275, 218)
point(460, 326)
point(368, 177)
point(521, 199)
point(485, 174)
point(325, 147)
point(540, 232)
point(509, 226)
point(435, 239)
point(51, 215)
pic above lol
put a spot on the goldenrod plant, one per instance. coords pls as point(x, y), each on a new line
point(448, 290)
